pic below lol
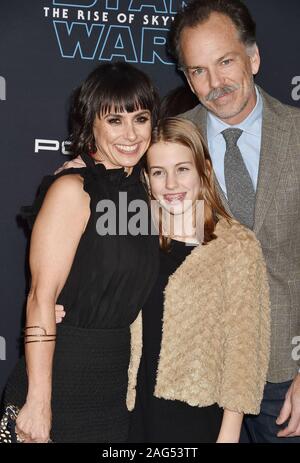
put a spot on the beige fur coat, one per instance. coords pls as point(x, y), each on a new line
point(216, 326)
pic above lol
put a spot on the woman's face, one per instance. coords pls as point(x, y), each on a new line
point(173, 177)
point(122, 138)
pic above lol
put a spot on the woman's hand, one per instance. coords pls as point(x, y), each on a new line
point(33, 423)
point(59, 313)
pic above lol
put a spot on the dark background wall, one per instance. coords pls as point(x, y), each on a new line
point(46, 48)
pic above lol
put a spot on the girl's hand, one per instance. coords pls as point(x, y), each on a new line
point(59, 313)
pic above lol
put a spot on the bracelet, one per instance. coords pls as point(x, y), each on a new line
point(44, 335)
point(44, 340)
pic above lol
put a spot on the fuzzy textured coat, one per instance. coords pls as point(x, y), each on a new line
point(216, 326)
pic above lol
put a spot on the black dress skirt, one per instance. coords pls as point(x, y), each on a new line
point(159, 420)
point(109, 282)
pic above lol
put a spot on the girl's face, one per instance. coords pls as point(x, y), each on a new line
point(172, 176)
point(122, 138)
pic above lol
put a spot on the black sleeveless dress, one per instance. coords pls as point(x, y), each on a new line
point(109, 282)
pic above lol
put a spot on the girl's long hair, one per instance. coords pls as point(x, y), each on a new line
point(186, 133)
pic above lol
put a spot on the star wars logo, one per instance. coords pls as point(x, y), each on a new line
point(131, 30)
point(296, 89)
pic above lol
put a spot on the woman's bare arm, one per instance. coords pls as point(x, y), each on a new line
point(55, 237)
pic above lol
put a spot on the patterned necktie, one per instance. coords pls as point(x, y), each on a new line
point(240, 190)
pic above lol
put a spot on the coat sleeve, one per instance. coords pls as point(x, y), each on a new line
point(135, 357)
point(246, 343)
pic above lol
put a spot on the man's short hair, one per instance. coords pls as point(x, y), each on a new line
point(199, 11)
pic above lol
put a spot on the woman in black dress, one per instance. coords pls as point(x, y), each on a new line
point(78, 373)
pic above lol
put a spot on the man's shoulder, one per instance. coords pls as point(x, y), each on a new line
point(278, 108)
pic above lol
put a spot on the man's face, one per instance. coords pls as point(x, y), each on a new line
point(220, 68)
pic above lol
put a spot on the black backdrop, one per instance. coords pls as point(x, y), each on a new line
point(46, 48)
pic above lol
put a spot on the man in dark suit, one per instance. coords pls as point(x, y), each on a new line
point(254, 142)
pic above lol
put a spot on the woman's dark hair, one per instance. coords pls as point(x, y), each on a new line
point(117, 87)
point(177, 101)
point(199, 11)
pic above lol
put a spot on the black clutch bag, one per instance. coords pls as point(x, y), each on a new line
point(8, 424)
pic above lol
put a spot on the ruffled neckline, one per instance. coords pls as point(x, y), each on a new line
point(118, 176)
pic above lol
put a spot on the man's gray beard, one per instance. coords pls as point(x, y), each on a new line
point(225, 91)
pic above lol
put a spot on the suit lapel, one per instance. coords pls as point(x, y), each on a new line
point(275, 138)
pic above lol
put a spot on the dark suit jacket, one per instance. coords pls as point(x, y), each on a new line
point(277, 225)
